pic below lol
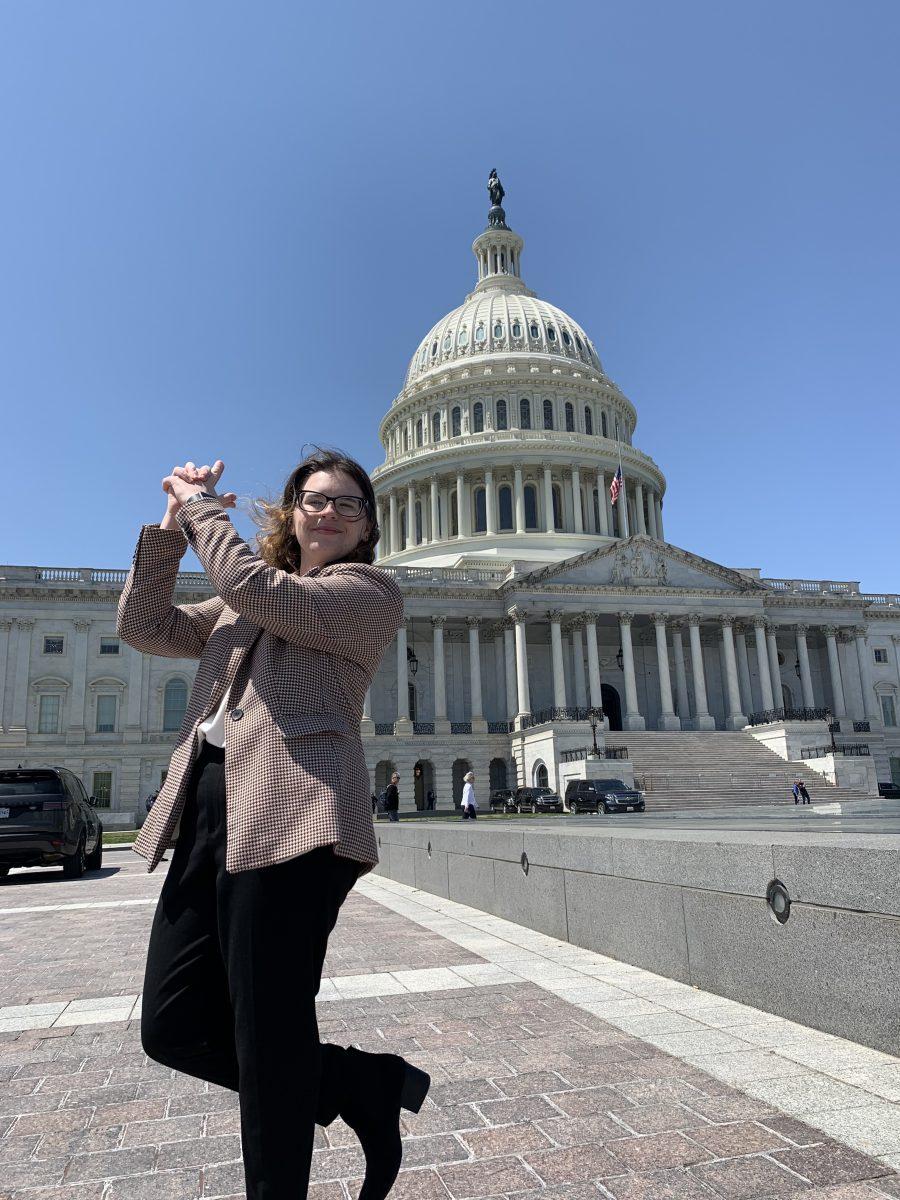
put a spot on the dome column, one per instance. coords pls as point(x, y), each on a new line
point(576, 500)
point(519, 491)
point(394, 523)
point(410, 516)
point(601, 505)
point(549, 523)
point(435, 518)
point(639, 507)
point(651, 514)
point(490, 514)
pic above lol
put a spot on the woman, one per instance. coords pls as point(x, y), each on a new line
point(469, 803)
point(267, 804)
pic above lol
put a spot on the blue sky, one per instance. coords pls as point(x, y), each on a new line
point(224, 228)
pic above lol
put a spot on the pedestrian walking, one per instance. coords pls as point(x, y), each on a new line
point(431, 801)
point(469, 803)
point(795, 789)
point(392, 798)
point(288, 646)
point(804, 794)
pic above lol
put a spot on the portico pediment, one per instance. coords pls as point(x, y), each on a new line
point(642, 561)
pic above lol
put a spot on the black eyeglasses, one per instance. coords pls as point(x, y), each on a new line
point(350, 507)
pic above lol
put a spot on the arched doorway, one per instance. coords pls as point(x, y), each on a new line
point(460, 767)
point(612, 706)
point(423, 783)
point(383, 772)
point(497, 773)
point(540, 775)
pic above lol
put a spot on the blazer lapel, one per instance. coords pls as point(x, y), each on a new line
point(244, 635)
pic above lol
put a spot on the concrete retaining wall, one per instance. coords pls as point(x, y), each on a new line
point(691, 905)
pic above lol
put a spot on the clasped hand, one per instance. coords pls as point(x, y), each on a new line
point(186, 481)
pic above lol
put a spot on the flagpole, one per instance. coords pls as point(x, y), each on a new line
point(623, 499)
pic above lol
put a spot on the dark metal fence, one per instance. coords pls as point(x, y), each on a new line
point(766, 716)
point(857, 750)
point(582, 752)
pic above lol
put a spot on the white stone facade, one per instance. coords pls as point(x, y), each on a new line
point(523, 602)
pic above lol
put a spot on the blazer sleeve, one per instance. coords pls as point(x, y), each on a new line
point(352, 610)
point(146, 618)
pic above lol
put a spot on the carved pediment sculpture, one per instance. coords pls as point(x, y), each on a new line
point(639, 564)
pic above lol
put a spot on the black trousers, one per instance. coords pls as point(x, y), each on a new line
point(233, 968)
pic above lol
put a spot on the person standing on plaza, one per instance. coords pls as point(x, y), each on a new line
point(795, 791)
point(267, 804)
point(804, 794)
point(392, 798)
point(469, 803)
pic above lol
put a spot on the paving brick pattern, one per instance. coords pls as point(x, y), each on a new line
point(532, 1096)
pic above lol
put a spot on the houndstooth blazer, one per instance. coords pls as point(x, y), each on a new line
point(296, 655)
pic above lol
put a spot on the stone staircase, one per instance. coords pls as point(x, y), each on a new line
point(689, 769)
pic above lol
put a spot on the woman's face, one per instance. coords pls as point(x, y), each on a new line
point(325, 536)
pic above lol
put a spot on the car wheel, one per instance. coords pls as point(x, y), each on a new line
point(94, 860)
point(73, 868)
point(606, 810)
point(4, 871)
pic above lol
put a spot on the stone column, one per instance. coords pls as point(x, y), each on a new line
point(490, 511)
point(744, 671)
point(394, 523)
point(681, 688)
point(524, 701)
point(595, 690)
point(460, 504)
point(774, 668)
point(479, 725)
point(402, 725)
point(870, 712)
point(651, 513)
point(5, 630)
point(556, 652)
point(667, 717)
point(805, 674)
point(702, 717)
point(75, 733)
point(578, 659)
point(367, 725)
point(576, 500)
point(736, 718)
point(838, 705)
point(435, 510)
point(549, 523)
point(133, 726)
point(659, 521)
point(509, 649)
point(633, 718)
point(601, 505)
point(410, 516)
point(641, 523)
point(441, 724)
point(519, 497)
point(379, 517)
point(20, 688)
point(762, 663)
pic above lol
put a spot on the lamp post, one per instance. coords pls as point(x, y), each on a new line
point(595, 716)
point(830, 722)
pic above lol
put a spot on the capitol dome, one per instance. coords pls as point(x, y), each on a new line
point(504, 439)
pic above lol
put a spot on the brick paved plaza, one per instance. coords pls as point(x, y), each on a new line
point(557, 1073)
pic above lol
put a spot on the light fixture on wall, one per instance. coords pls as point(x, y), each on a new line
point(619, 658)
point(797, 667)
point(411, 661)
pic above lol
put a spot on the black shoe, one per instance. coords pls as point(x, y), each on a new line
point(382, 1084)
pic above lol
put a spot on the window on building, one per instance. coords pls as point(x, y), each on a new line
point(463, 337)
point(174, 705)
point(881, 656)
point(524, 413)
point(433, 349)
point(516, 329)
point(480, 510)
point(106, 714)
point(501, 415)
point(557, 507)
point(405, 438)
point(456, 422)
point(448, 342)
point(603, 425)
point(551, 334)
point(588, 420)
point(570, 418)
point(505, 507)
point(436, 427)
point(109, 645)
point(48, 715)
point(531, 509)
point(423, 354)
point(419, 432)
point(402, 527)
point(566, 338)
point(596, 510)
point(578, 343)
point(101, 788)
point(888, 711)
point(534, 330)
point(478, 417)
point(480, 334)
point(548, 414)
point(454, 515)
point(162, 775)
point(498, 330)
point(419, 538)
point(54, 645)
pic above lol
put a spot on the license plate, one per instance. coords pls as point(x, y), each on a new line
point(4, 812)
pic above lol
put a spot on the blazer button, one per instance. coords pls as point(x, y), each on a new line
point(236, 714)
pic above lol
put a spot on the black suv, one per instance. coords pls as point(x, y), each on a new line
point(538, 800)
point(606, 795)
point(46, 818)
point(502, 800)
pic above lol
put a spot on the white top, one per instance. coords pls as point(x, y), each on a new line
point(212, 730)
point(468, 796)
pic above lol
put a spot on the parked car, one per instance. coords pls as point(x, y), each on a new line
point(502, 800)
point(537, 800)
point(46, 818)
point(889, 791)
point(602, 795)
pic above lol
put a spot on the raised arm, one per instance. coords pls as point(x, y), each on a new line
point(146, 618)
point(349, 609)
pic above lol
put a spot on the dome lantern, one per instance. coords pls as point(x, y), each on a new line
point(498, 250)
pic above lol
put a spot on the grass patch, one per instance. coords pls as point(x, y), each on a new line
point(119, 837)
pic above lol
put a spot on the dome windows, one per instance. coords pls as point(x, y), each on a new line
point(433, 349)
point(463, 337)
point(516, 329)
point(524, 413)
point(588, 420)
point(436, 427)
point(480, 334)
point(566, 337)
point(478, 418)
point(456, 422)
point(548, 414)
point(534, 330)
point(501, 415)
point(448, 342)
point(423, 354)
point(498, 329)
point(551, 334)
point(578, 343)
point(570, 418)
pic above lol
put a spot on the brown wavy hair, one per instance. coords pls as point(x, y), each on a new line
point(277, 544)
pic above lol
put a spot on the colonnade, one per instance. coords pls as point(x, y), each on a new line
point(433, 497)
point(680, 706)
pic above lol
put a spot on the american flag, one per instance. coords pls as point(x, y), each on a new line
point(616, 486)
